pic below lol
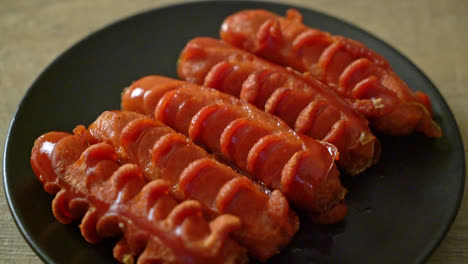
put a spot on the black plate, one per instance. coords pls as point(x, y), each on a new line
point(399, 209)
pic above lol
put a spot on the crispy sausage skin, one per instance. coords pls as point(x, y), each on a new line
point(115, 200)
point(302, 102)
point(347, 66)
point(254, 141)
point(268, 223)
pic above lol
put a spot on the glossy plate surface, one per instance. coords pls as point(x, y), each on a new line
point(399, 209)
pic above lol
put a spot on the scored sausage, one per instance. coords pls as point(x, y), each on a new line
point(301, 167)
point(347, 66)
point(302, 102)
point(115, 200)
point(268, 223)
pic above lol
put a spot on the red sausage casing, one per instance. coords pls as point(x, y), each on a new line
point(268, 223)
point(347, 66)
point(304, 103)
point(114, 200)
point(301, 167)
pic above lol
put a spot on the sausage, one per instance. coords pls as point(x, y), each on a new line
point(347, 66)
point(302, 168)
point(268, 223)
point(302, 102)
point(153, 226)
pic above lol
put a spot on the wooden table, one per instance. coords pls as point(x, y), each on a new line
point(432, 33)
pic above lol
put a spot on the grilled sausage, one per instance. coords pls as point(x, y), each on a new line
point(347, 66)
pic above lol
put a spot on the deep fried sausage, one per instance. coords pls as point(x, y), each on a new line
point(347, 66)
point(268, 223)
point(302, 102)
point(114, 200)
point(303, 168)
